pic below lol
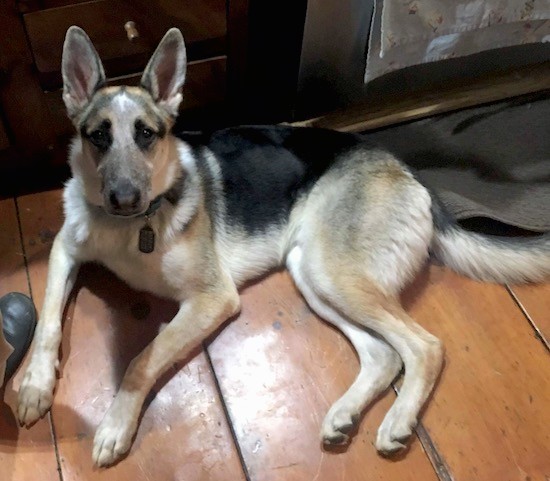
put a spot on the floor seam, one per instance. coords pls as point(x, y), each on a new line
point(436, 459)
point(538, 333)
point(22, 242)
point(56, 447)
point(227, 415)
point(24, 251)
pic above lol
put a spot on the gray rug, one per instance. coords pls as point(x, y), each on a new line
point(491, 161)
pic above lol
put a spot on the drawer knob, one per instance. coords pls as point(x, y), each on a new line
point(131, 30)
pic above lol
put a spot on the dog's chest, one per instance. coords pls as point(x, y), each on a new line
point(119, 251)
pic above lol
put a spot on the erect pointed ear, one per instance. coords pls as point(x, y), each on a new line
point(164, 75)
point(82, 70)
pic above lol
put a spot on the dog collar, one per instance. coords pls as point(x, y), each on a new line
point(146, 241)
point(153, 206)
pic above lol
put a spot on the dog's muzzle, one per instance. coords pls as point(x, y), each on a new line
point(124, 199)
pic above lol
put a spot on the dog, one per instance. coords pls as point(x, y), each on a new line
point(194, 217)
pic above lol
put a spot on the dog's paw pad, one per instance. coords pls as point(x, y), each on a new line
point(344, 421)
point(111, 443)
point(388, 447)
point(335, 439)
point(35, 398)
point(392, 436)
point(337, 426)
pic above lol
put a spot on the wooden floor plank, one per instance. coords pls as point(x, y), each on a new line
point(24, 455)
point(535, 300)
point(489, 415)
point(279, 369)
point(183, 433)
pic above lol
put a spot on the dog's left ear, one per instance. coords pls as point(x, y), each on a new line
point(164, 75)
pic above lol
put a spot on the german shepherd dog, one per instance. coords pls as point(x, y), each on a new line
point(193, 218)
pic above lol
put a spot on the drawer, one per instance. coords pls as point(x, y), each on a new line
point(202, 22)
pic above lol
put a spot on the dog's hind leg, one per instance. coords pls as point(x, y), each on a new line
point(421, 352)
point(360, 236)
point(359, 300)
point(379, 364)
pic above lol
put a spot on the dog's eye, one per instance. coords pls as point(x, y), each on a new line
point(144, 136)
point(147, 133)
point(100, 136)
point(97, 137)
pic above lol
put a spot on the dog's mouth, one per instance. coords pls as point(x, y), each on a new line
point(125, 202)
point(125, 213)
point(129, 212)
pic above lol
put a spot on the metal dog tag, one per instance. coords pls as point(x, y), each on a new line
point(146, 239)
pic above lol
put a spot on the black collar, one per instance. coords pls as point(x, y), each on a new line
point(153, 206)
point(172, 195)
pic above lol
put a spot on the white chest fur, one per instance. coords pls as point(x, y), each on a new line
point(114, 243)
point(119, 252)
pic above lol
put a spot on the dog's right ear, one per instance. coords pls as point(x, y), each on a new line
point(164, 75)
point(82, 70)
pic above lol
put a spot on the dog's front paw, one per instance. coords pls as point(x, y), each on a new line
point(36, 392)
point(113, 438)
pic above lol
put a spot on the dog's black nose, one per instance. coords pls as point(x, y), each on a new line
point(124, 196)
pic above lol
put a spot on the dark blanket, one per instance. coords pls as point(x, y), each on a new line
point(491, 161)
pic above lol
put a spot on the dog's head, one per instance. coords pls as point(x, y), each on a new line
point(124, 148)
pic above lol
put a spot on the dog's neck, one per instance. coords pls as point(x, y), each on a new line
point(172, 195)
point(153, 207)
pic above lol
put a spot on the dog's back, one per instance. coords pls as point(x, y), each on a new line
point(265, 169)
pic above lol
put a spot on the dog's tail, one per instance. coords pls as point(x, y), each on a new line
point(489, 258)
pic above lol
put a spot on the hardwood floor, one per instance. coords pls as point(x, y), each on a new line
point(25, 455)
point(249, 405)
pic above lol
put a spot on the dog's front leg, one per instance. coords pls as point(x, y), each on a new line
point(197, 318)
point(36, 391)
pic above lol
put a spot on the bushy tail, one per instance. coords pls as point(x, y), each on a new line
point(489, 258)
